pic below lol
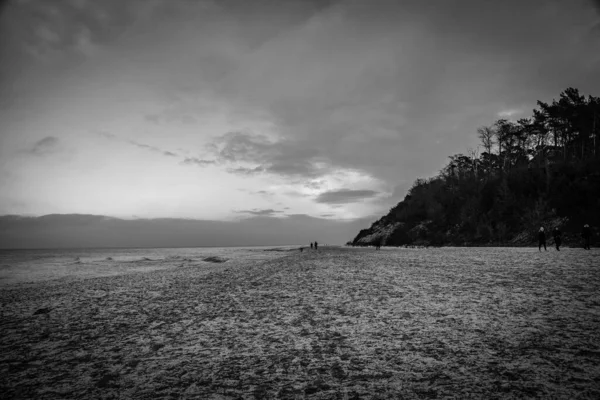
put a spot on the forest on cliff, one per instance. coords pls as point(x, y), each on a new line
point(538, 171)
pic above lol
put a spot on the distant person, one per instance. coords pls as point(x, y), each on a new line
point(378, 245)
point(311, 245)
point(557, 238)
point(541, 239)
point(316, 245)
point(586, 234)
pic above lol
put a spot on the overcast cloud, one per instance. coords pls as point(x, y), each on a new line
point(332, 107)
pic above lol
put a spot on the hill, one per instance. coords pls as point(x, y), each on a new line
point(537, 171)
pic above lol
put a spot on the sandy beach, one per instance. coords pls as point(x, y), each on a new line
point(330, 324)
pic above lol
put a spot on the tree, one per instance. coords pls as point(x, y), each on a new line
point(486, 134)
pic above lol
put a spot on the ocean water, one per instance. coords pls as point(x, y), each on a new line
point(24, 266)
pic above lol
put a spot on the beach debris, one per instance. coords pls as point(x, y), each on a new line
point(214, 259)
point(42, 311)
point(157, 346)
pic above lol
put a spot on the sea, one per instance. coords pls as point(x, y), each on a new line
point(31, 266)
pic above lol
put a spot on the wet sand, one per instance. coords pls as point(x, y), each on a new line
point(327, 324)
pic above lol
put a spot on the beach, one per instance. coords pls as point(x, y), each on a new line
point(337, 323)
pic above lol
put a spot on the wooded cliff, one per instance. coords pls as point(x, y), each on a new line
point(538, 171)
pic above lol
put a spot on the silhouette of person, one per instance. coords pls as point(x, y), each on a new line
point(557, 238)
point(541, 239)
point(586, 235)
point(311, 245)
point(316, 245)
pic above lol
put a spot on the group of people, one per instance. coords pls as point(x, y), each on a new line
point(314, 245)
point(557, 235)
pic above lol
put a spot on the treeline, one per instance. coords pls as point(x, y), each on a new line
point(537, 171)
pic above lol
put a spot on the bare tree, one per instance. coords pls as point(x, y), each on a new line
point(486, 134)
point(474, 154)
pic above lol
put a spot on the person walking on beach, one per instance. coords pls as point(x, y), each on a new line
point(316, 245)
point(311, 245)
point(542, 239)
point(557, 238)
point(586, 235)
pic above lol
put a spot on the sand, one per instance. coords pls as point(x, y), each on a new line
point(327, 324)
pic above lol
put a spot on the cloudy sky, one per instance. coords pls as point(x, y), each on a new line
point(227, 109)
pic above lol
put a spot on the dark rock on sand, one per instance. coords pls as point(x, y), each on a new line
point(214, 259)
point(45, 310)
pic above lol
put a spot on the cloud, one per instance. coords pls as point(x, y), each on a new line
point(106, 135)
point(50, 30)
point(152, 148)
point(326, 215)
point(246, 171)
point(509, 113)
point(84, 43)
point(373, 88)
point(170, 116)
point(154, 118)
point(45, 146)
point(144, 146)
point(314, 184)
point(197, 161)
point(240, 146)
point(299, 216)
point(295, 193)
point(258, 212)
point(265, 193)
point(283, 157)
point(343, 196)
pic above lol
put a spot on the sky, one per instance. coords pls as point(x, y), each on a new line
point(227, 110)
